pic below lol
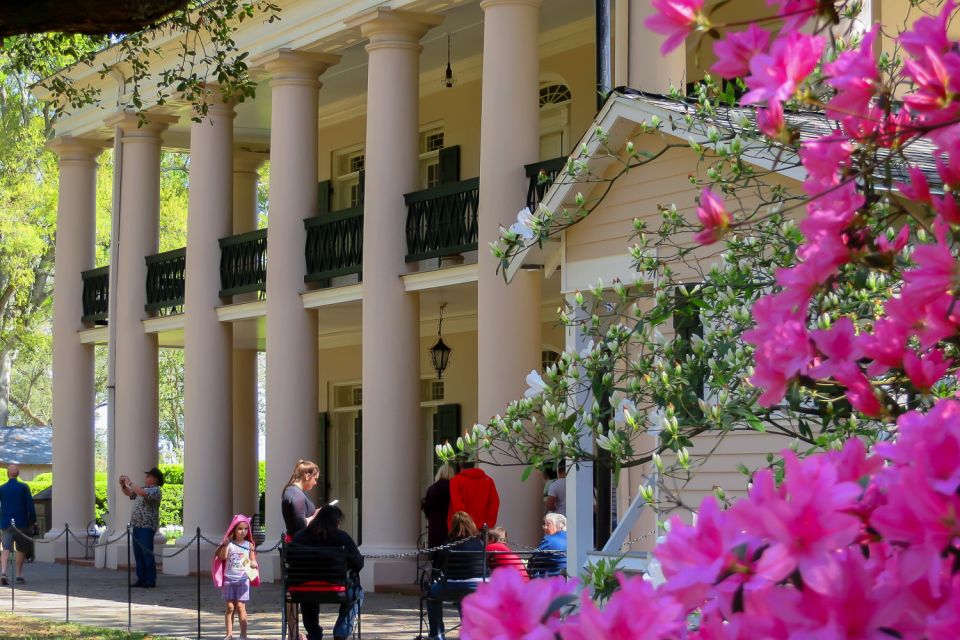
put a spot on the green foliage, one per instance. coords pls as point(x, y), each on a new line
point(172, 473)
point(171, 505)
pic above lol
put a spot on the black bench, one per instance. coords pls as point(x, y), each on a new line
point(318, 575)
point(435, 570)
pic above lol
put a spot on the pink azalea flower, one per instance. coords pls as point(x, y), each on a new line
point(736, 50)
point(924, 371)
point(930, 323)
point(945, 621)
point(783, 350)
point(795, 12)
point(839, 345)
point(675, 19)
point(886, 346)
point(714, 217)
point(803, 521)
point(931, 442)
point(897, 244)
point(936, 78)
point(776, 76)
point(860, 392)
point(636, 611)
point(936, 272)
point(485, 613)
point(946, 208)
point(916, 514)
point(918, 188)
point(823, 159)
point(929, 32)
point(855, 77)
point(770, 122)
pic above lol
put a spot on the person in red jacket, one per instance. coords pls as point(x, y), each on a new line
point(474, 491)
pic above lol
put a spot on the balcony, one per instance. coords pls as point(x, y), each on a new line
point(96, 295)
point(334, 245)
point(243, 263)
point(165, 281)
point(442, 221)
point(541, 176)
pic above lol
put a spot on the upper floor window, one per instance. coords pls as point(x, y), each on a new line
point(431, 141)
point(348, 165)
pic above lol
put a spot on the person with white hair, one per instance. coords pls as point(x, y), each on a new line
point(553, 560)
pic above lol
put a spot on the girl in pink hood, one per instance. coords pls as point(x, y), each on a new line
point(235, 569)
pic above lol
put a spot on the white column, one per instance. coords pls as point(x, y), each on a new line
point(137, 410)
point(648, 69)
point(73, 362)
point(391, 316)
point(508, 339)
point(245, 435)
point(208, 344)
point(579, 478)
point(291, 330)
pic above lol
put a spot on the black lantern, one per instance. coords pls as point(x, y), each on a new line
point(448, 79)
point(440, 352)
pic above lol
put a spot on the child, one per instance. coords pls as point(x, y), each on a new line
point(235, 569)
point(503, 555)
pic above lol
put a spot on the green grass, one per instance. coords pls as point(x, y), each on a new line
point(14, 627)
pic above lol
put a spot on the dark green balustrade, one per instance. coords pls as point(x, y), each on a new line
point(334, 245)
point(243, 263)
point(166, 277)
point(442, 221)
point(96, 295)
point(542, 176)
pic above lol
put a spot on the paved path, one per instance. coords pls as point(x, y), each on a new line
point(99, 597)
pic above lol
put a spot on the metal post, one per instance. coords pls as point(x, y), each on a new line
point(66, 528)
point(129, 583)
point(283, 594)
point(604, 72)
point(13, 582)
point(198, 583)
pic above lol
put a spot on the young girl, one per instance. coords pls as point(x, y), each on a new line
point(235, 569)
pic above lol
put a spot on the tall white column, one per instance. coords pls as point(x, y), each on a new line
point(647, 68)
point(391, 316)
point(73, 362)
point(292, 377)
point(246, 489)
point(137, 402)
point(508, 338)
point(208, 345)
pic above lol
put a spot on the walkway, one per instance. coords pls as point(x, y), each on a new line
point(99, 597)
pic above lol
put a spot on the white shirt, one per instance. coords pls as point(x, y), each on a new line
point(558, 489)
point(236, 557)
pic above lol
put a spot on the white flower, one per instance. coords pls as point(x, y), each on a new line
point(523, 227)
point(535, 383)
point(626, 411)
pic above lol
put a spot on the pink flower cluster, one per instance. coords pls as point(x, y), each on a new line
point(906, 340)
point(848, 545)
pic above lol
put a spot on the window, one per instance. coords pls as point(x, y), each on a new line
point(554, 94)
point(548, 358)
point(348, 166)
point(431, 141)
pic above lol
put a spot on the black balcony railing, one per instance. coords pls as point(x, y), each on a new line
point(165, 281)
point(96, 295)
point(541, 175)
point(442, 221)
point(243, 263)
point(334, 244)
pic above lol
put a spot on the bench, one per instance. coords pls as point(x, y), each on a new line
point(318, 575)
point(437, 568)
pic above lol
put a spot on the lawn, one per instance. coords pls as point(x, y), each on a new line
point(13, 627)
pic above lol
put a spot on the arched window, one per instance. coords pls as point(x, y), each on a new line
point(555, 100)
point(554, 93)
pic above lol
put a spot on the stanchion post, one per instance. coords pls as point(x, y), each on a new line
point(198, 583)
point(66, 529)
point(129, 583)
point(13, 583)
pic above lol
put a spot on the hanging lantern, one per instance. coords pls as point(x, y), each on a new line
point(440, 352)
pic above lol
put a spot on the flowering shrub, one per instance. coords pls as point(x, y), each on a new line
point(860, 319)
point(848, 545)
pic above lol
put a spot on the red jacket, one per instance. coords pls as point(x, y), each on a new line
point(473, 491)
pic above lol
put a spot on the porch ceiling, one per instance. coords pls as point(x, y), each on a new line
point(349, 78)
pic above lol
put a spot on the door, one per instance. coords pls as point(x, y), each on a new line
point(446, 428)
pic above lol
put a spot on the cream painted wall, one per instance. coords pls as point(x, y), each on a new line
point(458, 110)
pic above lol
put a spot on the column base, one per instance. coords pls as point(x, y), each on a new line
point(388, 574)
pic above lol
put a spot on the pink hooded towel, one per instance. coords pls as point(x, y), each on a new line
point(216, 568)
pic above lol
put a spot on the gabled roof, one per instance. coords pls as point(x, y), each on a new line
point(626, 108)
point(26, 445)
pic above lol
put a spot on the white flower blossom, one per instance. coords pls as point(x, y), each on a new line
point(523, 227)
point(536, 385)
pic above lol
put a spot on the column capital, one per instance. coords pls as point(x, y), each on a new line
point(70, 149)
point(134, 130)
point(217, 103)
point(289, 66)
point(388, 27)
point(486, 4)
point(245, 161)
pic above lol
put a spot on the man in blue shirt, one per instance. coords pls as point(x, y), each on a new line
point(17, 517)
